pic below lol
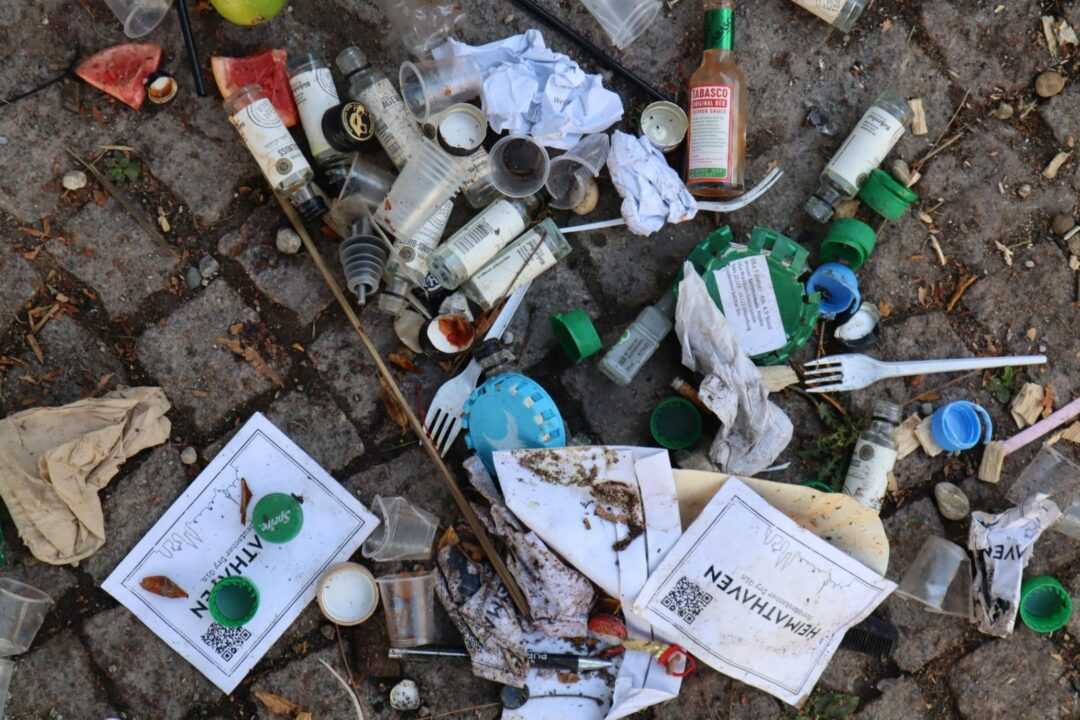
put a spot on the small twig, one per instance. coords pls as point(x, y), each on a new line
point(919, 163)
point(349, 690)
point(953, 118)
point(344, 657)
point(824, 396)
point(965, 283)
point(927, 394)
point(137, 216)
point(460, 711)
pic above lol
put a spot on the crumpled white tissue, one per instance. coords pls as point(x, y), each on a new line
point(652, 192)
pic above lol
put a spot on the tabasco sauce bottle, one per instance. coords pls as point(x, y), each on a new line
point(716, 152)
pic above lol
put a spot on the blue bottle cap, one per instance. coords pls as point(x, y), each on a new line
point(961, 425)
point(511, 412)
point(839, 289)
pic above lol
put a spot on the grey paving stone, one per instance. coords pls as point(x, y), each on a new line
point(53, 580)
point(703, 690)
point(18, 285)
point(1053, 553)
point(410, 475)
point(307, 683)
point(292, 641)
point(849, 672)
point(133, 504)
point(107, 250)
point(1060, 113)
point(345, 366)
point(901, 699)
point(198, 374)
point(56, 679)
point(907, 529)
point(749, 703)
point(559, 290)
point(1074, 591)
point(1021, 676)
point(291, 281)
point(150, 678)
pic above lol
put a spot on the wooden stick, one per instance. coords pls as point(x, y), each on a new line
point(996, 452)
point(466, 509)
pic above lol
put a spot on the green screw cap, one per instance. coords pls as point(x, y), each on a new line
point(885, 196)
point(1045, 606)
point(848, 241)
point(818, 485)
point(233, 601)
point(277, 517)
point(675, 423)
point(576, 335)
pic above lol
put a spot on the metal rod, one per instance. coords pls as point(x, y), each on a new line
point(597, 54)
point(189, 44)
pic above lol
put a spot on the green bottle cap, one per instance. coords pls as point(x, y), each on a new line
point(233, 601)
point(848, 241)
point(885, 196)
point(1045, 606)
point(277, 517)
point(675, 423)
point(818, 485)
point(576, 335)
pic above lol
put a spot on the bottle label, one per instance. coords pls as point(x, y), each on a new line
point(415, 251)
point(529, 256)
point(827, 10)
point(485, 235)
point(395, 126)
point(750, 305)
point(270, 143)
point(710, 133)
point(315, 93)
point(866, 146)
point(868, 474)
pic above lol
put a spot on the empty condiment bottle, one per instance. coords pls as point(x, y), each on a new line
point(313, 89)
point(873, 458)
point(876, 133)
point(841, 14)
point(640, 341)
point(480, 239)
point(533, 253)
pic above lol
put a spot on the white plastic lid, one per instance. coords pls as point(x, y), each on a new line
point(348, 594)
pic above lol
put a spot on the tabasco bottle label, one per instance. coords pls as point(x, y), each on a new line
point(710, 133)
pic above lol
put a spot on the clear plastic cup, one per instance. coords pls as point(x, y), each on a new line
point(519, 166)
point(430, 86)
point(421, 25)
point(572, 172)
point(1055, 475)
point(623, 20)
point(409, 604)
point(7, 669)
point(406, 532)
point(940, 578)
point(22, 611)
point(428, 180)
point(139, 17)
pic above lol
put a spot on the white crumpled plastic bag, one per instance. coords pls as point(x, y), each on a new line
point(652, 192)
point(753, 430)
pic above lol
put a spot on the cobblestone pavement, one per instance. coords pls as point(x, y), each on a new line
point(126, 316)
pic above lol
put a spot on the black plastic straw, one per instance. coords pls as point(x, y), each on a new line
point(587, 45)
point(189, 43)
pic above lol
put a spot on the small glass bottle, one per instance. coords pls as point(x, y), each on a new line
point(395, 127)
point(873, 458)
point(841, 14)
point(873, 137)
point(480, 239)
point(640, 341)
point(523, 260)
point(313, 89)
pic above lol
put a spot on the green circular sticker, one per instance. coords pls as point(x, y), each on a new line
point(277, 517)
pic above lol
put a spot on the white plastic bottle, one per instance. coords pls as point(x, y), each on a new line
point(522, 261)
point(480, 239)
point(313, 89)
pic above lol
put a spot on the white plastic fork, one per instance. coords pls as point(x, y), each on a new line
point(854, 371)
point(443, 420)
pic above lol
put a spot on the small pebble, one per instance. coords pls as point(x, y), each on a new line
point(209, 268)
point(74, 180)
point(1024, 191)
point(1003, 111)
point(1063, 223)
point(1042, 348)
point(193, 278)
point(287, 241)
point(1029, 264)
point(926, 409)
point(951, 501)
point(189, 456)
point(900, 171)
point(405, 696)
point(1049, 84)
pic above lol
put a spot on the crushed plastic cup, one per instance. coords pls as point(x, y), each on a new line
point(571, 173)
point(1053, 474)
point(406, 532)
point(7, 669)
point(428, 180)
point(519, 166)
point(430, 86)
point(22, 611)
point(139, 17)
point(623, 20)
point(409, 604)
point(365, 187)
point(421, 25)
point(940, 578)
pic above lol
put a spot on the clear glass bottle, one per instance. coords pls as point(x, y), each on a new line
point(480, 239)
point(640, 341)
point(873, 137)
point(395, 127)
point(874, 456)
point(841, 14)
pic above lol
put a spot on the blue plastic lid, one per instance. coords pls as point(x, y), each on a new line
point(839, 289)
point(961, 425)
point(511, 412)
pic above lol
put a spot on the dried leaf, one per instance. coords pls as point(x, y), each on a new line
point(1048, 401)
point(885, 308)
point(403, 360)
point(245, 498)
point(36, 347)
point(163, 586)
point(396, 413)
point(278, 705)
point(254, 359)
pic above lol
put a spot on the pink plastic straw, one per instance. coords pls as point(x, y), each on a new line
point(1049, 424)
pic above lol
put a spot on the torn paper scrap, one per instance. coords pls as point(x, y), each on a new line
point(54, 460)
point(652, 192)
point(1002, 545)
point(756, 597)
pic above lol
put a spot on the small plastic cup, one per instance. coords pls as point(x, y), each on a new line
point(233, 601)
point(519, 166)
point(22, 611)
point(347, 594)
point(409, 604)
point(1045, 605)
point(940, 578)
point(428, 180)
point(623, 20)
point(1052, 473)
point(570, 173)
point(364, 189)
point(675, 423)
point(7, 669)
point(430, 86)
point(406, 532)
point(139, 17)
point(277, 518)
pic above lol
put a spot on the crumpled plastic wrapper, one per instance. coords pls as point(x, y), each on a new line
point(1002, 546)
point(753, 430)
point(652, 192)
point(531, 90)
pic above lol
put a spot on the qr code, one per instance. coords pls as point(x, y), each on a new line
point(687, 599)
point(225, 641)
